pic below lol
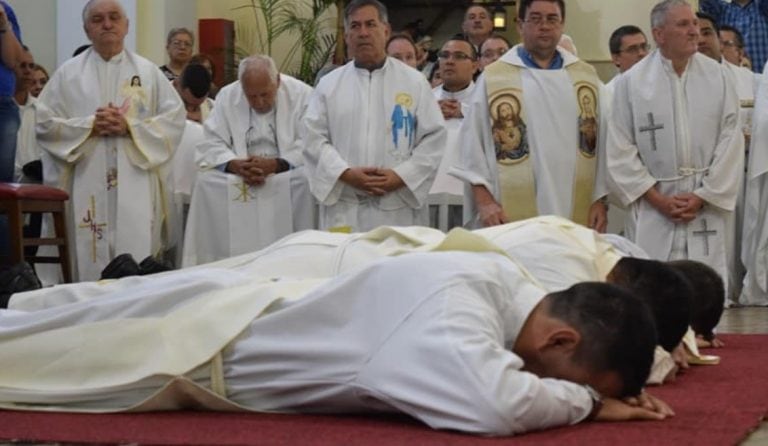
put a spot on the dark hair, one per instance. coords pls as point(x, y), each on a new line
point(354, 5)
point(617, 330)
point(704, 16)
point(487, 11)
point(497, 37)
point(525, 4)
point(81, 49)
point(461, 38)
point(196, 78)
point(199, 58)
point(614, 42)
point(402, 36)
point(433, 70)
point(708, 295)
point(736, 32)
point(665, 290)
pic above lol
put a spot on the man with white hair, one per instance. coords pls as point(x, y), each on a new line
point(110, 122)
point(252, 189)
point(674, 144)
point(374, 133)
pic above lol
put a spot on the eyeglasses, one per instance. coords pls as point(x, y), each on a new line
point(636, 49)
point(730, 43)
point(493, 53)
point(537, 20)
point(181, 44)
point(458, 56)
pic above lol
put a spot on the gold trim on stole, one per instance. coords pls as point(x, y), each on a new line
point(513, 153)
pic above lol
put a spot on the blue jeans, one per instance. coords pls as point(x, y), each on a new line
point(9, 128)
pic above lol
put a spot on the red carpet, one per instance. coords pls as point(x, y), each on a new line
point(715, 405)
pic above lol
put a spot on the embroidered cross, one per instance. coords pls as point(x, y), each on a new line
point(243, 189)
point(97, 229)
point(706, 233)
point(653, 128)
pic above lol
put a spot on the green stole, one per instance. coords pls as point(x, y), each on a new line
point(515, 167)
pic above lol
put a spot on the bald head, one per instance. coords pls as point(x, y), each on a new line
point(260, 80)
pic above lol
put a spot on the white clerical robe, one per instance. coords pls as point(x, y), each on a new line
point(326, 352)
point(386, 118)
point(118, 185)
point(679, 134)
point(444, 183)
point(755, 227)
point(746, 83)
point(227, 217)
point(551, 105)
point(27, 148)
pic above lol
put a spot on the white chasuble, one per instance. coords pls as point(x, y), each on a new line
point(534, 139)
point(679, 134)
point(228, 217)
point(385, 118)
point(119, 196)
point(755, 229)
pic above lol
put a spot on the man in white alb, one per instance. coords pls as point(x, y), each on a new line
point(251, 189)
point(628, 46)
point(503, 356)
point(745, 82)
point(675, 149)
point(374, 135)
point(532, 140)
point(111, 122)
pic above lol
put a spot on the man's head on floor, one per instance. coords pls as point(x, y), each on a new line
point(665, 290)
point(708, 297)
point(592, 333)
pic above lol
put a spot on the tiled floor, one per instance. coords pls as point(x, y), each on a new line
point(748, 320)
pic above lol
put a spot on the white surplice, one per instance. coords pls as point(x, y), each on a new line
point(386, 118)
point(682, 135)
point(326, 352)
point(27, 148)
point(444, 183)
point(118, 185)
point(227, 217)
point(754, 245)
point(552, 111)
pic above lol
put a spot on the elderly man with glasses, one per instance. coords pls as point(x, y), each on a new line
point(537, 114)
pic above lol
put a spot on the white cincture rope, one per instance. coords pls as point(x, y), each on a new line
point(684, 172)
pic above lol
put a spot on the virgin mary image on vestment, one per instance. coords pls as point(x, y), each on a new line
point(508, 129)
point(587, 120)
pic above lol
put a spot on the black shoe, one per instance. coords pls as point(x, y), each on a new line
point(16, 279)
point(123, 265)
point(151, 265)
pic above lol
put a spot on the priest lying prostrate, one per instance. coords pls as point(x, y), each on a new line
point(111, 121)
point(458, 340)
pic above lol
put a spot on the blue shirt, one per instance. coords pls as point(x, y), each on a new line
point(751, 20)
point(556, 64)
point(7, 76)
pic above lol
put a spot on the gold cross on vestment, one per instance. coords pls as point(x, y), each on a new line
point(89, 222)
point(245, 194)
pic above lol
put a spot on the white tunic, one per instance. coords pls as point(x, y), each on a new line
point(27, 148)
point(552, 112)
point(755, 230)
point(385, 118)
point(119, 196)
point(444, 183)
point(436, 348)
point(227, 217)
point(682, 133)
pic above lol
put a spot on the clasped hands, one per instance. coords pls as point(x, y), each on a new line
point(254, 169)
point(451, 108)
point(641, 407)
point(680, 208)
point(372, 180)
point(110, 121)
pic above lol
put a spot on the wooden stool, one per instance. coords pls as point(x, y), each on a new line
point(19, 199)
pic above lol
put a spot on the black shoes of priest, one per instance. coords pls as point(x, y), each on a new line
point(16, 279)
point(125, 265)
